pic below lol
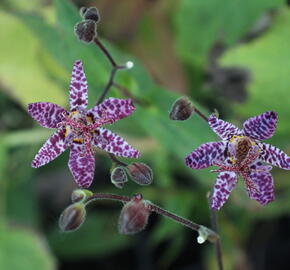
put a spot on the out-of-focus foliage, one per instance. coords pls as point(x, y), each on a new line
point(37, 50)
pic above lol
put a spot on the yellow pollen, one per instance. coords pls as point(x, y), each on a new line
point(80, 140)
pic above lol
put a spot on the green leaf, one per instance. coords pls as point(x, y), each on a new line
point(98, 236)
point(23, 250)
point(269, 66)
point(20, 64)
point(200, 23)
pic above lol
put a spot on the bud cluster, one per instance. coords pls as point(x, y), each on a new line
point(139, 172)
point(86, 30)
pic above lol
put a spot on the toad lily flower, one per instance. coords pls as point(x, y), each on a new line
point(81, 129)
point(241, 153)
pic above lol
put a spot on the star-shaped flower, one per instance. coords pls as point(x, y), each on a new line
point(81, 129)
point(241, 153)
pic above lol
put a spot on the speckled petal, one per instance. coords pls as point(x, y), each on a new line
point(113, 108)
point(46, 114)
point(113, 143)
point(225, 183)
point(205, 155)
point(274, 156)
point(223, 129)
point(261, 127)
point(51, 149)
point(78, 95)
point(265, 185)
point(81, 165)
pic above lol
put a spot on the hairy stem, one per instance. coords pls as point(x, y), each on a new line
point(212, 236)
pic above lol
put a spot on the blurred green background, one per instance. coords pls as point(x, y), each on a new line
point(229, 55)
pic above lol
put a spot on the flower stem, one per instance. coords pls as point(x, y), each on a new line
point(199, 113)
point(117, 161)
point(215, 227)
point(211, 235)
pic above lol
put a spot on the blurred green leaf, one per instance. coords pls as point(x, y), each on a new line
point(23, 250)
point(269, 86)
point(22, 76)
point(98, 236)
point(200, 23)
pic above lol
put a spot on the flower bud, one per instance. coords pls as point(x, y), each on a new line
point(119, 177)
point(72, 217)
point(134, 216)
point(91, 13)
point(86, 30)
point(80, 195)
point(140, 173)
point(181, 109)
point(206, 234)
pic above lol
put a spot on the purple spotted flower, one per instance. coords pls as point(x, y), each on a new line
point(81, 129)
point(241, 153)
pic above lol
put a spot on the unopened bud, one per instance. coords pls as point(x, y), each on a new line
point(80, 195)
point(72, 217)
point(86, 30)
point(140, 173)
point(119, 177)
point(134, 216)
point(181, 109)
point(206, 234)
point(91, 13)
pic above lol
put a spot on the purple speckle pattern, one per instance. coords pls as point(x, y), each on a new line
point(225, 183)
point(264, 183)
point(274, 156)
point(81, 165)
point(81, 129)
point(113, 108)
point(205, 155)
point(261, 127)
point(112, 143)
point(242, 155)
point(51, 149)
point(46, 114)
point(78, 95)
point(223, 129)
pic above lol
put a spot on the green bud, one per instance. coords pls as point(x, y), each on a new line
point(140, 173)
point(72, 217)
point(80, 195)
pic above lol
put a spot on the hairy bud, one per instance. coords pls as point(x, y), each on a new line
point(80, 195)
point(206, 234)
point(72, 217)
point(140, 173)
point(119, 177)
point(91, 13)
point(134, 216)
point(181, 109)
point(86, 30)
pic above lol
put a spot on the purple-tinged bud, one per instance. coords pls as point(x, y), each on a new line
point(72, 217)
point(140, 173)
point(80, 195)
point(86, 30)
point(134, 216)
point(181, 109)
point(119, 177)
point(91, 13)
